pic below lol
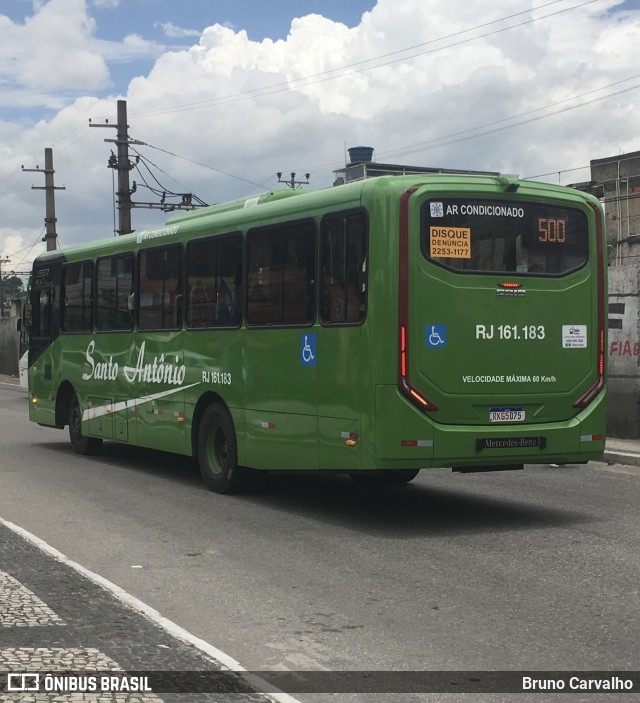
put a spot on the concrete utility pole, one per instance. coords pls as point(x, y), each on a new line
point(2, 261)
point(51, 236)
point(122, 165)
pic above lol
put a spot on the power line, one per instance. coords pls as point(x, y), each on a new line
point(324, 76)
point(198, 163)
point(581, 168)
point(411, 148)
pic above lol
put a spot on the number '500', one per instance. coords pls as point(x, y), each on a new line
point(552, 230)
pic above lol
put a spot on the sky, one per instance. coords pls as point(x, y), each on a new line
point(225, 94)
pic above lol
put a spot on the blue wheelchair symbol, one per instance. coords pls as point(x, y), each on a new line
point(436, 336)
point(308, 349)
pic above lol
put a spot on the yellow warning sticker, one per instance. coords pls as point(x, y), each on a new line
point(450, 242)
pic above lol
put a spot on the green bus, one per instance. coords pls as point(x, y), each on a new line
point(374, 328)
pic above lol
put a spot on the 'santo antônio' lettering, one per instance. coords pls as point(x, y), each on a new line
point(160, 370)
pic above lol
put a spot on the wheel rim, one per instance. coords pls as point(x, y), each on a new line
point(217, 450)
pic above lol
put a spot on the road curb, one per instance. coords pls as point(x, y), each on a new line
point(619, 457)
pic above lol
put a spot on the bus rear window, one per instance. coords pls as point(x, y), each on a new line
point(513, 237)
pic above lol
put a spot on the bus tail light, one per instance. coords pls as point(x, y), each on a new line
point(404, 384)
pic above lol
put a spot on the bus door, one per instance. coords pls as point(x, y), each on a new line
point(342, 363)
point(502, 307)
point(42, 316)
point(280, 347)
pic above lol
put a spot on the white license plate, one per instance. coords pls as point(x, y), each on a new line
point(506, 415)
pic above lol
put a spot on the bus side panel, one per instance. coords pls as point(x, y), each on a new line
point(281, 440)
point(404, 435)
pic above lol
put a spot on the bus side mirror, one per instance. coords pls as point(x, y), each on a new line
point(18, 325)
point(27, 315)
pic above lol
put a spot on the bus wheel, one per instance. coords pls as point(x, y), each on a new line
point(218, 453)
point(385, 477)
point(80, 443)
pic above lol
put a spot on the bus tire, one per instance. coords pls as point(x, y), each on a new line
point(385, 477)
point(80, 443)
point(218, 451)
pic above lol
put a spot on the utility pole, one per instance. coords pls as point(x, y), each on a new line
point(2, 261)
point(122, 165)
point(51, 236)
point(292, 183)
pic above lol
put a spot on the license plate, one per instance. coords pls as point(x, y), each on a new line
point(506, 415)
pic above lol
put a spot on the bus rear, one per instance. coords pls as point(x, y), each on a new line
point(501, 332)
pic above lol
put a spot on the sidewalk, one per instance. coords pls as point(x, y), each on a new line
point(64, 629)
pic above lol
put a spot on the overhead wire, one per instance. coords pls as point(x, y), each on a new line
point(324, 76)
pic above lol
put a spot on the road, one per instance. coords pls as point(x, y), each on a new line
point(538, 569)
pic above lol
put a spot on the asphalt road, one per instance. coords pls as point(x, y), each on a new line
point(538, 569)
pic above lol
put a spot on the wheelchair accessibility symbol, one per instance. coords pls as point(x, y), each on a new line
point(436, 336)
point(308, 349)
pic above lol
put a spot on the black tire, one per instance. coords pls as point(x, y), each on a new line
point(384, 477)
point(218, 452)
point(80, 443)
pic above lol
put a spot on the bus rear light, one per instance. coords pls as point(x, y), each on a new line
point(591, 438)
point(416, 443)
point(419, 398)
point(509, 285)
point(404, 384)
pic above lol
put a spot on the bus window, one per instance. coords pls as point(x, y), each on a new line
point(281, 275)
point(343, 263)
point(76, 297)
point(214, 282)
point(160, 290)
point(489, 236)
point(114, 289)
point(44, 308)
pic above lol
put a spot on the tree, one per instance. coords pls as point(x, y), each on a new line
point(12, 287)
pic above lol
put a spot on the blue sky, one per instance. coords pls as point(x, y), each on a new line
point(533, 87)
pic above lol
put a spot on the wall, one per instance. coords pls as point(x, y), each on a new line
point(623, 419)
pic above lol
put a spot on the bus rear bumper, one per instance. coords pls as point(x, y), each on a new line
point(409, 438)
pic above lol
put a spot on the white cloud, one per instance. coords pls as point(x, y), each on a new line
point(55, 51)
point(254, 108)
point(171, 30)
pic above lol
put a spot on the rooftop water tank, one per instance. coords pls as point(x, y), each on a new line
point(358, 154)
